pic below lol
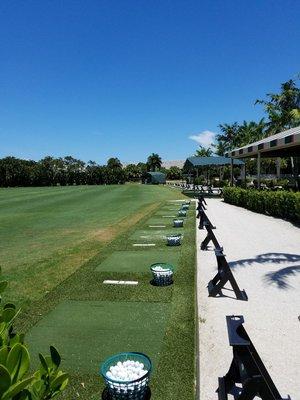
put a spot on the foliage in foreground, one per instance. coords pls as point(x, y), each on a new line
point(16, 383)
point(282, 204)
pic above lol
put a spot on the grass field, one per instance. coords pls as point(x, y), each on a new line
point(87, 320)
point(47, 233)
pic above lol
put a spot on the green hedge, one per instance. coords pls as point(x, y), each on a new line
point(282, 204)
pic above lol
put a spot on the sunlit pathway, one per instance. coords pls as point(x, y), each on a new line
point(264, 254)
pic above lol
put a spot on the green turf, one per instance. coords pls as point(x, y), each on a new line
point(170, 207)
point(86, 332)
point(174, 376)
point(156, 220)
point(138, 261)
point(47, 233)
point(169, 213)
point(149, 235)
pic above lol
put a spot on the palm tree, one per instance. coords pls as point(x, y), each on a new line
point(174, 173)
point(133, 172)
point(143, 167)
point(114, 171)
point(236, 135)
point(250, 132)
point(114, 163)
point(229, 134)
point(203, 152)
point(219, 148)
point(154, 161)
point(283, 108)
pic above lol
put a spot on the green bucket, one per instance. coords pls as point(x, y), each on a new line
point(174, 240)
point(182, 213)
point(162, 274)
point(177, 223)
point(120, 389)
point(185, 207)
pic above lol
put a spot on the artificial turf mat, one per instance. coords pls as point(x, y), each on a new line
point(169, 213)
point(87, 332)
point(170, 208)
point(154, 234)
point(138, 261)
point(159, 221)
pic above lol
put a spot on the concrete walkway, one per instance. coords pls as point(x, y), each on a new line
point(264, 254)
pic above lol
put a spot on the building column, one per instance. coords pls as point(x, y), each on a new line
point(278, 173)
point(243, 172)
point(195, 175)
point(231, 172)
point(295, 171)
point(258, 170)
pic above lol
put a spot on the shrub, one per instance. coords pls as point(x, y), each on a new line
point(282, 204)
point(16, 383)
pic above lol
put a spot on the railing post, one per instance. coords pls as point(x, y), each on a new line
point(247, 372)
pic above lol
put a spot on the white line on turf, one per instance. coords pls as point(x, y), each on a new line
point(143, 244)
point(110, 282)
point(157, 226)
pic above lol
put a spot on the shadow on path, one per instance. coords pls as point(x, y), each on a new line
point(270, 258)
point(280, 277)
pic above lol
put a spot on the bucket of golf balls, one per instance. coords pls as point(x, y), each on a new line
point(127, 376)
point(182, 213)
point(174, 240)
point(178, 223)
point(185, 207)
point(162, 274)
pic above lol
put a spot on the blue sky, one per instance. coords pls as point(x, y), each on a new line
point(103, 78)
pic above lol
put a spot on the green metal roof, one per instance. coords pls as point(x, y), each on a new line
point(156, 177)
point(156, 174)
point(211, 161)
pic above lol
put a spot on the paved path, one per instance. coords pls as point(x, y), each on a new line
point(264, 254)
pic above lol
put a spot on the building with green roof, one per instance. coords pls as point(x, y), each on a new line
point(154, 178)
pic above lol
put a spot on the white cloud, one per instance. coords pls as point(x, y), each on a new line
point(205, 138)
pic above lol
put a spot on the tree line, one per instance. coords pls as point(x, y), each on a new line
point(51, 171)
